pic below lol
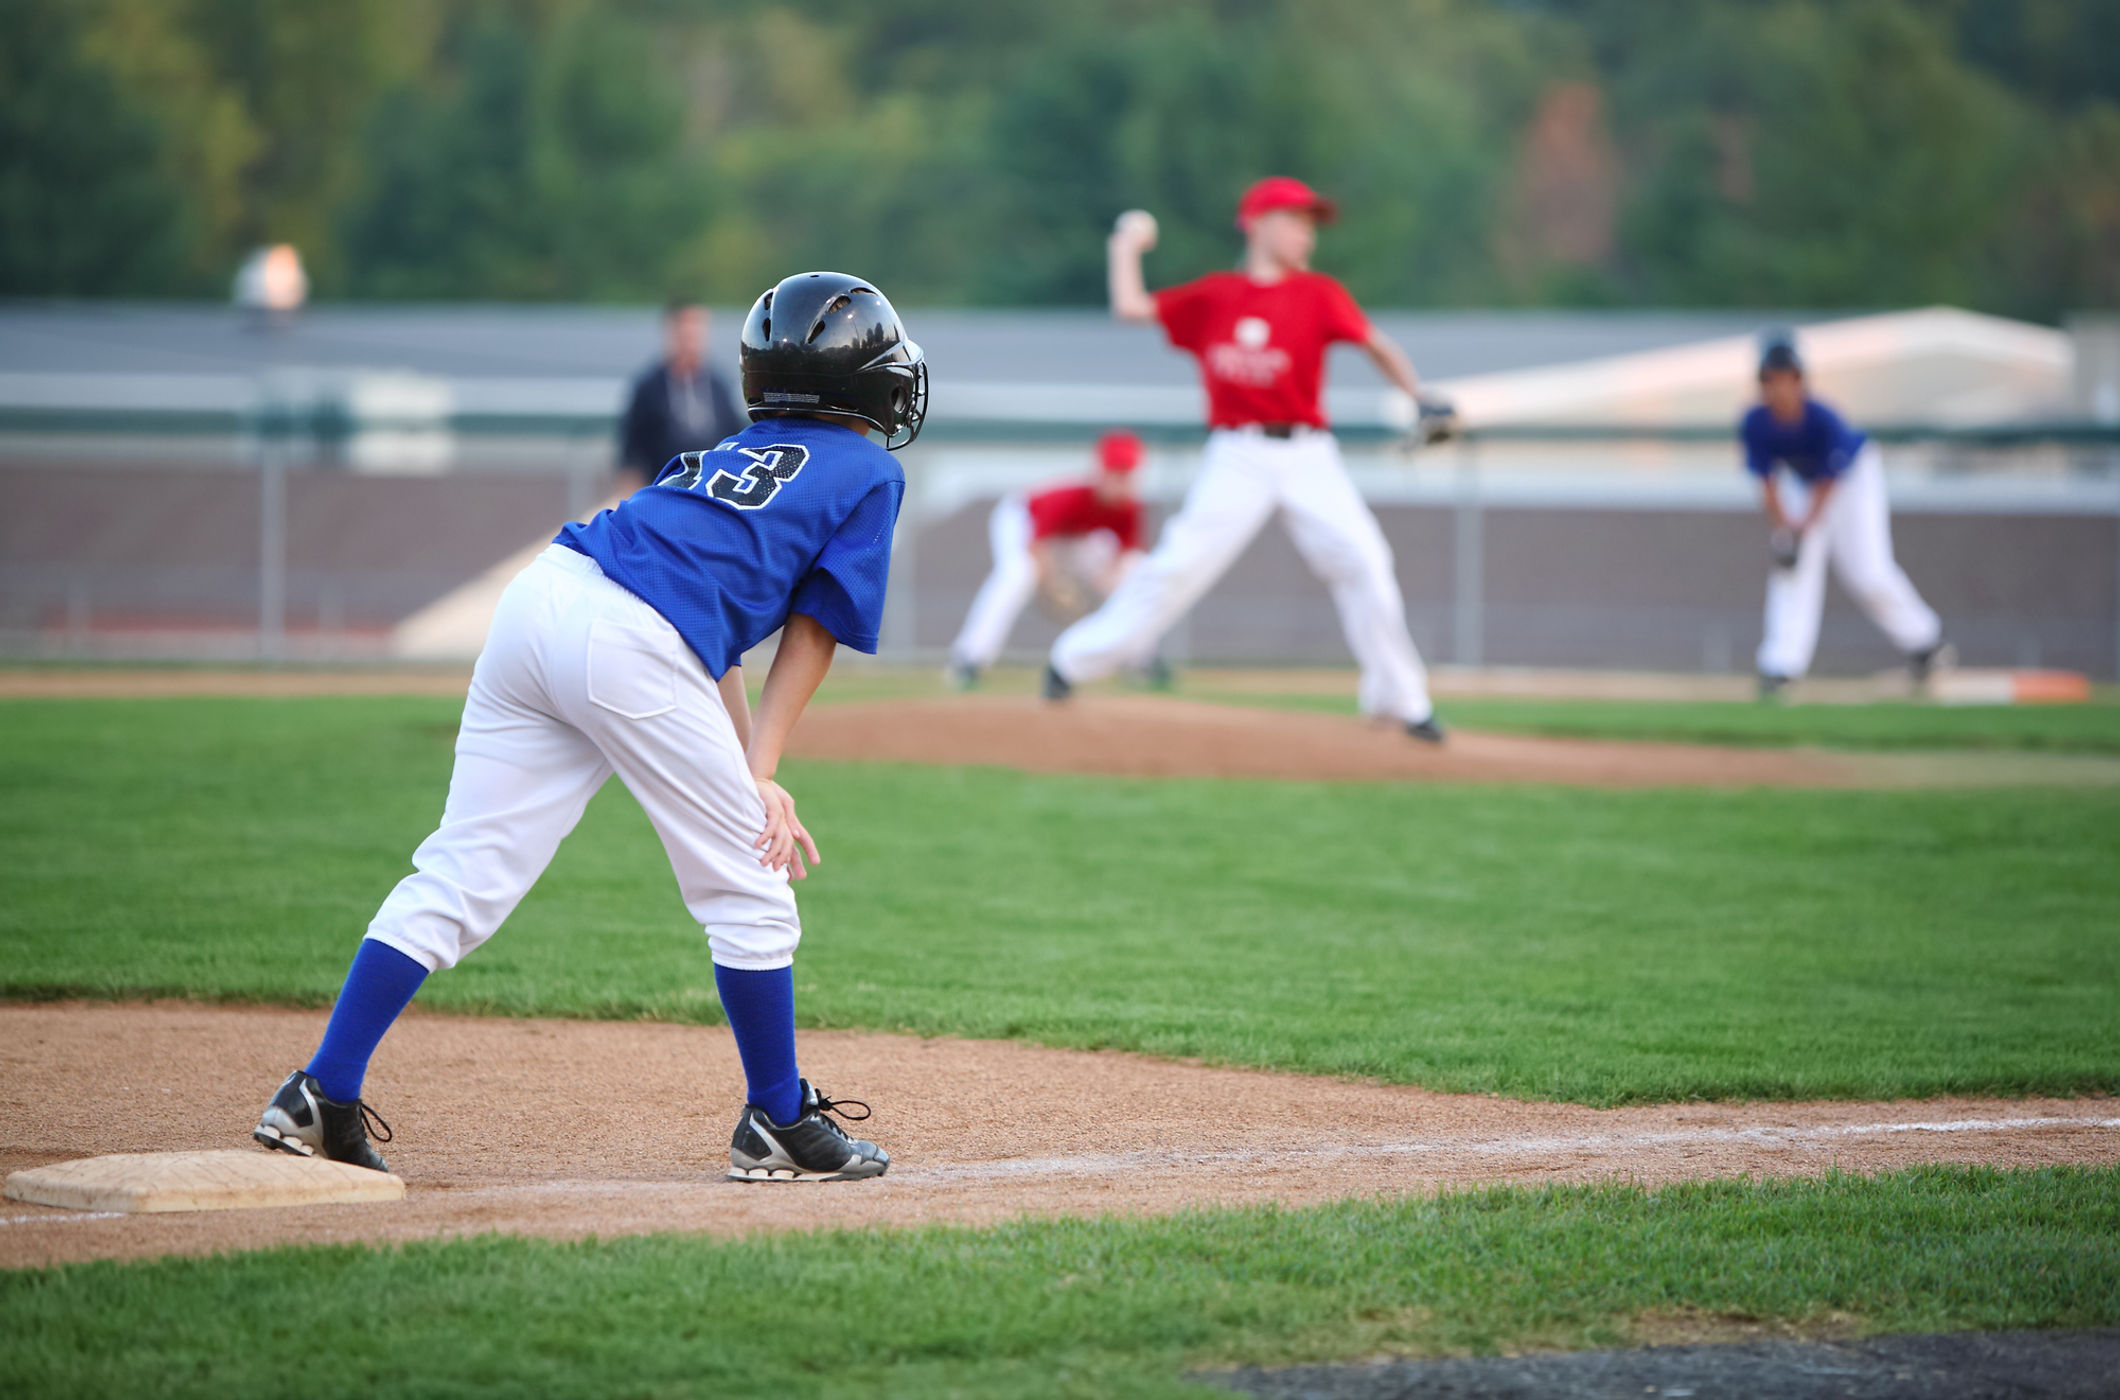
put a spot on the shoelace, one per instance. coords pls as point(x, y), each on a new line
point(839, 1106)
point(377, 1128)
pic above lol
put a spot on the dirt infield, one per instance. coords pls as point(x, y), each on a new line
point(1162, 737)
point(133, 683)
point(1154, 736)
point(1165, 736)
point(567, 1129)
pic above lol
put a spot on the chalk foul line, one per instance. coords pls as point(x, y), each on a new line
point(1104, 1164)
point(1600, 1143)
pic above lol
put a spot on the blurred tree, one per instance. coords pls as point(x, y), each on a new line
point(89, 204)
point(835, 152)
point(1397, 112)
point(1660, 151)
point(2061, 53)
point(307, 78)
point(539, 159)
point(2061, 250)
point(1799, 154)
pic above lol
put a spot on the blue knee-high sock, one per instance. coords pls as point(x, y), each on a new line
point(378, 985)
point(761, 1010)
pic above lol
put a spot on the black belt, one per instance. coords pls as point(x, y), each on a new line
point(1279, 430)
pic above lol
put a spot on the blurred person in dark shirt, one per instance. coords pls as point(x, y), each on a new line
point(677, 404)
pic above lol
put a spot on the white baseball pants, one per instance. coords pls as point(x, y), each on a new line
point(1856, 535)
point(580, 679)
point(1244, 480)
point(1014, 579)
point(1001, 599)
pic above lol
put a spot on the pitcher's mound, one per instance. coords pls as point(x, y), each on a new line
point(219, 1180)
point(1165, 737)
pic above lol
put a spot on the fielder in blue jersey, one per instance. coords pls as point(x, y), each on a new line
point(618, 651)
point(1836, 512)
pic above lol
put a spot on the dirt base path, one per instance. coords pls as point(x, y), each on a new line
point(572, 1128)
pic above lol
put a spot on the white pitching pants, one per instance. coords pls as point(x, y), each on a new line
point(1856, 536)
point(1246, 478)
point(581, 679)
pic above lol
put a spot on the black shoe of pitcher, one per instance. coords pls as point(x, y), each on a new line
point(302, 1121)
point(1923, 664)
point(1428, 731)
point(1055, 686)
point(812, 1148)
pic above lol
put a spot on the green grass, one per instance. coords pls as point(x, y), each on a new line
point(1596, 946)
point(1072, 1307)
point(2091, 728)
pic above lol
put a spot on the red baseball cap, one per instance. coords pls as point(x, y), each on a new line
point(1283, 192)
point(1118, 452)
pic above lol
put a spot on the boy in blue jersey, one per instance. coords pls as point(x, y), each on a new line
point(617, 651)
point(1843, 518)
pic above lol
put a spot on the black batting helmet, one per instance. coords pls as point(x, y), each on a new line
point(824, 342)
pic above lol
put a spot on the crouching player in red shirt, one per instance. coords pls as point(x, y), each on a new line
point(1057, 542)
point(1260, 335)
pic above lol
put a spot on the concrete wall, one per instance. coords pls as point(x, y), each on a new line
point(108, 546)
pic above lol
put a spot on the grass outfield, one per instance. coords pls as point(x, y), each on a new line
point(1602, 947)
point(1902, 725)
point(1073, 1307)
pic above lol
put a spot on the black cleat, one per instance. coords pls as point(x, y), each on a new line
point(1054, 686)
point(1428, 731)
point(1771, 686)
point(961, 678)
point(1924, 663)
point(812, 1148)
point(302, 1121)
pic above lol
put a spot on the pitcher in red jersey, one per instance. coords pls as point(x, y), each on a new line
point(1260, 335)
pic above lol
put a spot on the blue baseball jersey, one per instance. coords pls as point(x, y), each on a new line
point(792, 515)
point(1819, 448)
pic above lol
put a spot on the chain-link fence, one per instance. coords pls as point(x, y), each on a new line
point(305, 523)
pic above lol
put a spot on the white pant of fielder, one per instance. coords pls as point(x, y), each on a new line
point(1856, 536)
point(1245, 478)
point(580, 679)
point(1008, 589)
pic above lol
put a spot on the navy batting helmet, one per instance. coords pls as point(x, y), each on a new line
point(824, 342)
point(1777, 350)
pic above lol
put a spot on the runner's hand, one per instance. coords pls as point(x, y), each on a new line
point(785, 841)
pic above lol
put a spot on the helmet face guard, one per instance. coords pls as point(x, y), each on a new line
point(909, 404)
point(827, 343)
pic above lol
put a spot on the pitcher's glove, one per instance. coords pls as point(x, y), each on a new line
point(1784, 545)
point(1435, 420)
point(1424, 420)
point(1062, 598)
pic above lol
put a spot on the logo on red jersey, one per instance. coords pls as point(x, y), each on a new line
point(1250, 360)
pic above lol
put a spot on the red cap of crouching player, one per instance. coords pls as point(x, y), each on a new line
point(1283, 192)
point(1118, 452)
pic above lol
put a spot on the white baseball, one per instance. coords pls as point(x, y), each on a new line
point(1137, 226)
